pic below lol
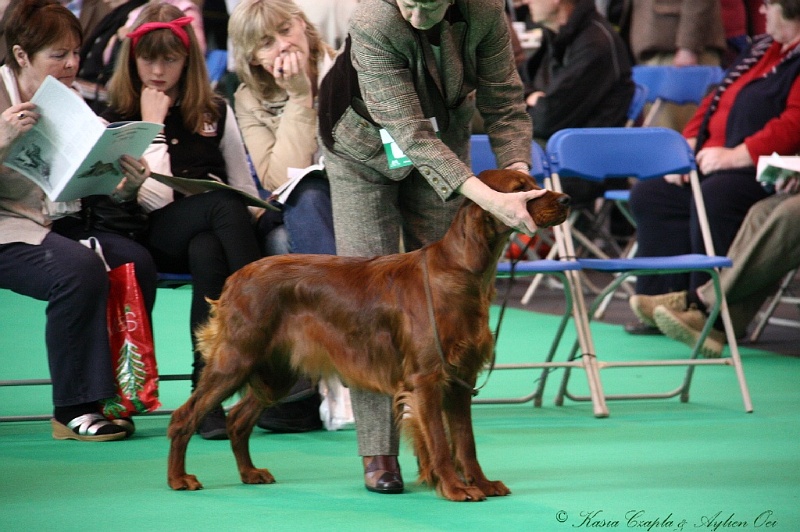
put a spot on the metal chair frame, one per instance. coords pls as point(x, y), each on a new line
point(644, 153)
point(782, 295)
point(565, 269)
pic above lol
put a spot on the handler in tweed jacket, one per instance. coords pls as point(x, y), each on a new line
point(409, 61)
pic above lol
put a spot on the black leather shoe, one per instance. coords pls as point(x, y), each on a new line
point(638, 328)
point(213, 426)
point(382, 474)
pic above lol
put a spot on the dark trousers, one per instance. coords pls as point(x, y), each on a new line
point(209, 236)
point(74, 282)
point(667, 224)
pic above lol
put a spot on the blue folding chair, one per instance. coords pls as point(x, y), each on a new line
point(566, 270)
point(678, 85)
point(644, 153)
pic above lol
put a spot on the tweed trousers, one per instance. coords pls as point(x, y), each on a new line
point(765, 249)
point(374, 215)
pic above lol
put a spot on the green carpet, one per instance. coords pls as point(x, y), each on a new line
point(652, 465)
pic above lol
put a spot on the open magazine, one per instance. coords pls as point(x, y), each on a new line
point(70, 153)
point(198, 186)
point(772, 168)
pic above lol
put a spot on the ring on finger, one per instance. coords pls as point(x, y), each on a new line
point(142, 169)
point(21, 116)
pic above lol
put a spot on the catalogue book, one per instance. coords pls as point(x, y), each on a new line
point(70, 153)
point(198, 186)
point(773, 167)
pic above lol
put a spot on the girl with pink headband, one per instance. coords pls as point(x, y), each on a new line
point(208, 235)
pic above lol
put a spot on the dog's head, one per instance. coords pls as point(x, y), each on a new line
point(548, 210)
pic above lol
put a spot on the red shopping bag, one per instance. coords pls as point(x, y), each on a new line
point(132, 351)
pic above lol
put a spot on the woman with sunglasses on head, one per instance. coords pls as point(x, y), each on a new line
point(161, 77)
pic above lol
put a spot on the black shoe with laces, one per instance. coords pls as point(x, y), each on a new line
point(213, 426)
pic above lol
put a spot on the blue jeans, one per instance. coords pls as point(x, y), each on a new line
point(308, 217)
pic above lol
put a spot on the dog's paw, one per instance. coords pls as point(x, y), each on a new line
point(462, 493)
point(185, 482)
point(493, 488)
point(257, 476)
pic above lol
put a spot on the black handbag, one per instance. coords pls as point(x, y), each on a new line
point(126, 218)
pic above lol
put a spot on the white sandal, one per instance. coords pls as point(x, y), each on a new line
point(84, 428)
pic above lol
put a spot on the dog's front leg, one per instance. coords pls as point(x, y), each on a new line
point(458, 411)
point(430, 423)
point(241, 420)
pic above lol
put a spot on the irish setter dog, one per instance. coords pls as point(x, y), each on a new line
point(369, 321)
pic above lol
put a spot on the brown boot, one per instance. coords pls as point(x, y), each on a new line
point(382, 474)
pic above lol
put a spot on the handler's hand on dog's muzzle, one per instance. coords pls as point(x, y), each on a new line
point(519, 218)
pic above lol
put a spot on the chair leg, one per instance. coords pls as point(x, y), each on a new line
point(766, 314)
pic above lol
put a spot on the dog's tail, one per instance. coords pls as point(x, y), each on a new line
point(206, 333)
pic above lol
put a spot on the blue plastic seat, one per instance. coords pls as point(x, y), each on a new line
point(678, 85)
point(644, 153)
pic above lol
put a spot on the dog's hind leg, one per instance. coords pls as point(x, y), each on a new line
point(241, 420)
point(457, 405)
point(213, 388)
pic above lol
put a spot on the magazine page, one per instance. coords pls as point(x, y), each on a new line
point(99, 173)
point(51, 151)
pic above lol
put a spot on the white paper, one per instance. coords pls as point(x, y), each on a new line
point(281, 194)
point(70, 153)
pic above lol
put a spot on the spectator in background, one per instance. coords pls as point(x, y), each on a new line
point(755, 111)
point(163, 78)
point(100, 49)
point(579, 77)
point(674, 32)
point(280, 59)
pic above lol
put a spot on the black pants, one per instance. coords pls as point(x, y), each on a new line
point(74, 282)
point(209, 236)
point(667, 223)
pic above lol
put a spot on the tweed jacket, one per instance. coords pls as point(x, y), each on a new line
point(403, 85)
point(663, 26)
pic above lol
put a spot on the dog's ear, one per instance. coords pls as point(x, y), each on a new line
point(507, 180)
